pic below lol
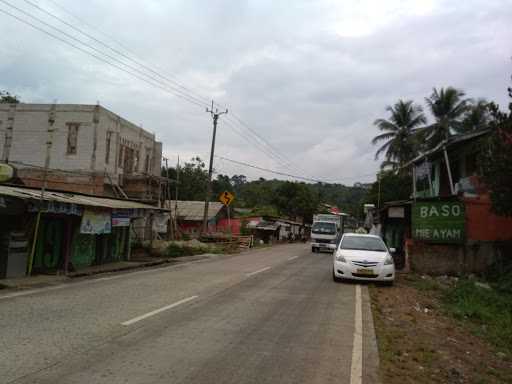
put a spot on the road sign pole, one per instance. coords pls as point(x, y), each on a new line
point(229, 222)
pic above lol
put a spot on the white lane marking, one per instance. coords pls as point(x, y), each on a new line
point(258, 271)
point(292, 258)
point(31, 291)
point(356, 368)
point(157, 311)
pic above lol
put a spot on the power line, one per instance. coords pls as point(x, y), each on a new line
point(260, 142)
point(179, 93)
point(197, 100)
point(97, 57)
point(287, 174)
point(256, 144)
point(139, 63)
point(271, 152)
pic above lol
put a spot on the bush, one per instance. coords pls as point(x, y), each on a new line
point(176, 250)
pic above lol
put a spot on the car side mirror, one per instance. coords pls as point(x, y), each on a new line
point(392, 250)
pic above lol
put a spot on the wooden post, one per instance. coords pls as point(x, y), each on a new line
point(447, 162)
point(68, 243)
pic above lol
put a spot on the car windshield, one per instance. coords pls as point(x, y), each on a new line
point(324, 228)
point(363, 243)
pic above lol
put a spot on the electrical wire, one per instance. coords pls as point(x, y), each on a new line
point(273, 152)
point(97, 57)
point(98, 52)
point(287, 174)
point(235, 123)
point(139, 61)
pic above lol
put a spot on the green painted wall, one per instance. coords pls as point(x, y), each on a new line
point(83, 249)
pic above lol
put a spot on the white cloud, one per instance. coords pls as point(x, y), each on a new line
point(309, 77)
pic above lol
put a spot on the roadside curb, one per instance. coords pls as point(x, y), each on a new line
point(52, 280)
point(370, 348)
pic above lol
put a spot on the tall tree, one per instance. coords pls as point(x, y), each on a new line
point(399, 133)
point(7, 98)
point(448, 106)
point(477, 117)
point(497, 160)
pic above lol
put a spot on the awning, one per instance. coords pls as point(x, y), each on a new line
point(72, 198)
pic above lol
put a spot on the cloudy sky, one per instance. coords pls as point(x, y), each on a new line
point(309, 77)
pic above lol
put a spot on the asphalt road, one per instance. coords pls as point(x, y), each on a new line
point(267, 316)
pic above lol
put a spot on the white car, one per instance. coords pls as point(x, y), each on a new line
point(363, 257)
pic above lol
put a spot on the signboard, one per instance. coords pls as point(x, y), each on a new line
point(96, 222)
point(438, 222)
point(226, 197)
point(396, 212)
point(120, 219)
point(6, 172)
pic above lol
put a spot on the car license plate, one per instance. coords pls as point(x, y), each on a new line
point(365, 271)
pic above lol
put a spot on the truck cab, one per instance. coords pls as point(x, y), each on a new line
point(324, 236)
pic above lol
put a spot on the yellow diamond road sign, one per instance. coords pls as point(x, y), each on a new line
point(226, 197)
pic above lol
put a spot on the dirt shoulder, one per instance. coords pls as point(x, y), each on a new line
point(421, 342)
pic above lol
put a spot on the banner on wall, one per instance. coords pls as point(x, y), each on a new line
point(96, 222)
point(121, 219)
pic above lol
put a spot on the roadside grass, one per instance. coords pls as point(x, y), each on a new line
point(487, 312)
point(180, 250)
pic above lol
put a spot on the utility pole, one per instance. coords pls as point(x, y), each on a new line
point(49, 143)
point(176, 200)
point(168, 197)
point(215, 116)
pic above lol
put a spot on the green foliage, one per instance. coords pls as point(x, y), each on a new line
point(297, 200)
point(265, 197)
point(486, 311)
point(174, 250)
point(7, 98)
point(400, 145)
point(448, 106)
point(477, 117)
point(496, 160)
point(393, 187)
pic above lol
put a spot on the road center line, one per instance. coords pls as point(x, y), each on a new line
point(258, 271)
point(356, 368)
point(292, 258)
point(156, 311)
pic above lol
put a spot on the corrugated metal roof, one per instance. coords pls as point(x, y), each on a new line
point(71, 198)
point(194, 210)
point(448, 143)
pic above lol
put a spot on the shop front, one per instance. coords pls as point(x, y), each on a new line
point(63, 232)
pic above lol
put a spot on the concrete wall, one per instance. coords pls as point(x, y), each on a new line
point(482, 224)
point(27, 146)
point(444, 259)
point(24, 134)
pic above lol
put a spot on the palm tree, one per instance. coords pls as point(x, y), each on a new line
point(399, 133)
point(477, 117)
point(448, 106)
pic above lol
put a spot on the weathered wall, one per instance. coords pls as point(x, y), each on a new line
point(92, 184)
point(440, 259)
point(25, 144)
point(482, 224)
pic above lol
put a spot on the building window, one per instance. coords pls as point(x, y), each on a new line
point(107, 147)
point(72, 138)
point(147, 163)
point(136, 162)
point(120, 160)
